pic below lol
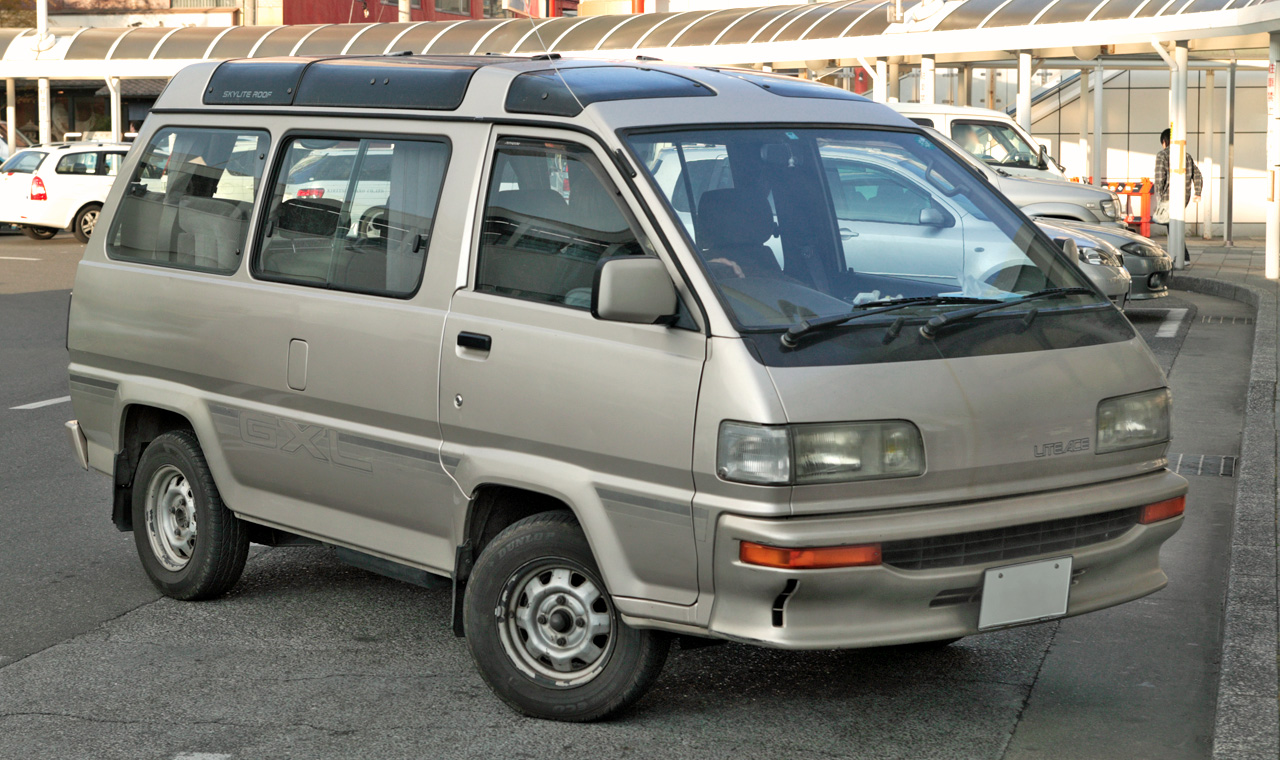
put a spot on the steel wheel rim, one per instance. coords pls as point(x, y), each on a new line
point(88, 221)
point(556, 625)
point(171, 517)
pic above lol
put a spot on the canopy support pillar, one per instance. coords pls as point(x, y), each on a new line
point(1024, 90)
point(42, 108)
point(894, 84)
point(1178, 156)
point(991, 89)
point(881, 93)
point(403, 15)
point(1099, 149)
point(928, 80)
point(1273, 166)
point(1084, 122)
point(1229, 156)
point(966, 86)
point(1206, 148)
point(117, 129)
point(10, 116)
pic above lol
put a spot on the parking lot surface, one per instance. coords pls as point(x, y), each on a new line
point(310, 658)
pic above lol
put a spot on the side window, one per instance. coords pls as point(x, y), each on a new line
point(551, 214)
point(25, 162)
point(923, 121)
point(111, 164)
point(864, 194)
point(182, 206)
point(353, 215)
point(78, 163)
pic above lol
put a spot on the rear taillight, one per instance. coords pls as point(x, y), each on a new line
point(314, 192)
point(37, 190)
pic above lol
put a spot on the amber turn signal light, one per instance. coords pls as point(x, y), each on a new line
point(1163, 510)
point(816, 558)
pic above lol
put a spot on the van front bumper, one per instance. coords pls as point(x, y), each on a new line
point(888, 604)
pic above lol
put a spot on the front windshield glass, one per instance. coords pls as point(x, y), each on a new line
point(995, 143)
point(797, 224)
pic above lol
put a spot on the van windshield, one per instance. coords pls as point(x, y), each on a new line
point(995, 143)
point(793, 225)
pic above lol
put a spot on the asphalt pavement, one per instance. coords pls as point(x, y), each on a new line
point(310, 658)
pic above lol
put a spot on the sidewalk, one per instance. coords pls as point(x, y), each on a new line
point(1248, 711)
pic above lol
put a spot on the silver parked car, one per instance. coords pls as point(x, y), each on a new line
point(1148, 263)
point(1100, 261)
point(607, 363)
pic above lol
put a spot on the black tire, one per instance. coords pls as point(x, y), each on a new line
point(86, 221)
point(534, 551)
point(38, 233)
point(172, 473)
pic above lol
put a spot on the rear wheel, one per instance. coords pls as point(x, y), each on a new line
point(85, 221)
point(38, 233)
point(544, 632)
point(190, 544)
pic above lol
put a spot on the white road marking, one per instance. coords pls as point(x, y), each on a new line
point(48, 402)
point(18, 258)
point(200, 756)
point(1169, 327)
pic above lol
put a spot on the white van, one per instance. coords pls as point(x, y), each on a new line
point(988, 135)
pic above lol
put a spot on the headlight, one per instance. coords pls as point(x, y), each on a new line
point(1109, 209)
point(1091, 256)
point(1130, 422)
point(1145, 250)
point(826, 453)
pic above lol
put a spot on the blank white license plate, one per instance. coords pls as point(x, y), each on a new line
point(1025, 593)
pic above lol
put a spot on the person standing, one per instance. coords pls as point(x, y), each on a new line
point(1193, 176)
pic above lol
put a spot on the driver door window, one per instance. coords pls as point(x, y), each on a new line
point(551, 214)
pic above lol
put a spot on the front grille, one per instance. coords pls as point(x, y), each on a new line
point(1017, 541)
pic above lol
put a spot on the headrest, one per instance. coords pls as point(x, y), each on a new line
point(733, 217)
point(312, 216)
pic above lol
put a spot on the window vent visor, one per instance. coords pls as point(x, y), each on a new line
point(566, 91)
point(254, 83)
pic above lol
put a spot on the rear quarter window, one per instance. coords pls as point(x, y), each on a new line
point(25, 162)
point(189, 199)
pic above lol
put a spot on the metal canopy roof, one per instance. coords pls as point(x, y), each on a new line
point(832, 30)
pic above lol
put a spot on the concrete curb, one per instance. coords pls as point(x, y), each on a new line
point(1247, 719)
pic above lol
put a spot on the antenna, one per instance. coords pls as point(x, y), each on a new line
point(552, 57)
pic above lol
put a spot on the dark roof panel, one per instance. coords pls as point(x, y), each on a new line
point(190, 42)
point(378, 37)
point(566, 91)
point(254, 82)
point(418, 83)
point(1066, 12)
point(1150, 9)
point(790, 87)
point(969, 15)
point(330, 40)
point(1206, 5)
point(864, 13)
point(238, 42)
point(752, 23)
point(93, 44)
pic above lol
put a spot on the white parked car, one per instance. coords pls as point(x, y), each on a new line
point(47, 188)
point(990, 136)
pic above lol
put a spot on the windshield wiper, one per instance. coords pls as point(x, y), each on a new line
point(930, 329)
point(791, 338)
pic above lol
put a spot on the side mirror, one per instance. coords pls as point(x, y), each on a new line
point(1069, 247)
point(633, 289)
point(932, 217)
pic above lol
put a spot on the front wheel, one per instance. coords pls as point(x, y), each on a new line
point(38, 233)
point(85, 222)
point(544, 632)
point(190, 544)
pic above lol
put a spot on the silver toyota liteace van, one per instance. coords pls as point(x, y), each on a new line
point(604, 344)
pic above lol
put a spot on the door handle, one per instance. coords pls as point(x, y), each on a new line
point(847, 234)
point(476, 341)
